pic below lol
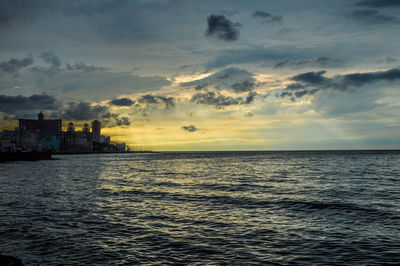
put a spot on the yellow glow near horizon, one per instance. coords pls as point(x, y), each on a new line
point(190, 78)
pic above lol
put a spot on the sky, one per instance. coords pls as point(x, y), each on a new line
point(207, 75)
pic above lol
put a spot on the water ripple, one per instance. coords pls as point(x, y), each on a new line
point(203, 208)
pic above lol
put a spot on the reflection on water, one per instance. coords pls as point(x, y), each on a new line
point(246, 207)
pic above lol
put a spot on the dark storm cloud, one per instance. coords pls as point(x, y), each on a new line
point(123, 121)
point(155, 99)
point(21, 106)
point(13, 65)
point(217, 99)
point(371, 16)
point(148, 99)
point(122, 102)
point(212, 98)
point(300, 94)
point(379, 3)
point(51, 58)
point(12, 104)
point(295, 86)
point(200, 87)
point(250, 97)
point(84, 111)
point(83, 67)
point(313, 78)
point(316, 81)
point(222, 28)
point(190, 128)
point(261, 14)
point(360, 79)
point(243, 86)
point(286, 94)
point(268, 18)
point(322, 61)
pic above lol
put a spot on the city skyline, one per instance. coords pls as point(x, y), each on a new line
point(208, 75)
point(49, 135)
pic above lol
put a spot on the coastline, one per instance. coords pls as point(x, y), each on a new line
point(99, 152)
point(37, 156)
point(24, 156)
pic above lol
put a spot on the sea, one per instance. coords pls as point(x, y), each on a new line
point(197, 208)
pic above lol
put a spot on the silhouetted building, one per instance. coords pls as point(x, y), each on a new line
point(103, 147)
point(86, 128)
point(88, 134)
point(76, 142)
point(8, 140)
point(47, 135)
point(121, 146)
point(49, 141)
point(41, 124)
point(96, 131)
point(70, 127)
point(28, 140)
point(40, 134)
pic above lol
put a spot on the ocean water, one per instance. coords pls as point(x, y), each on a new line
point(203, 208)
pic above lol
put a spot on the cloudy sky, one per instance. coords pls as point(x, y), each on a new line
point(208, 75)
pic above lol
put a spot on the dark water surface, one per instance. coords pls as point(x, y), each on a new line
point(198, 208)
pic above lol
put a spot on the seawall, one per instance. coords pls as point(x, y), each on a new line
point(24, 156)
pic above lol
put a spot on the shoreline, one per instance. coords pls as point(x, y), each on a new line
point(34, 156)
point(100, 152)
point(31, 156)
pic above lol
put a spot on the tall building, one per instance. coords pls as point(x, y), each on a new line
point(96, 131)
point(77, 141)
point(41, 132)
point(86, 129)
point(71, 127)
point(121, 146)
point(41, 124)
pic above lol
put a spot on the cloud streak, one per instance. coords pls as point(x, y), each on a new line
point(83, 67)
point(256, 55)
point(322, 61)
point(371, 16)
point(268, 18)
